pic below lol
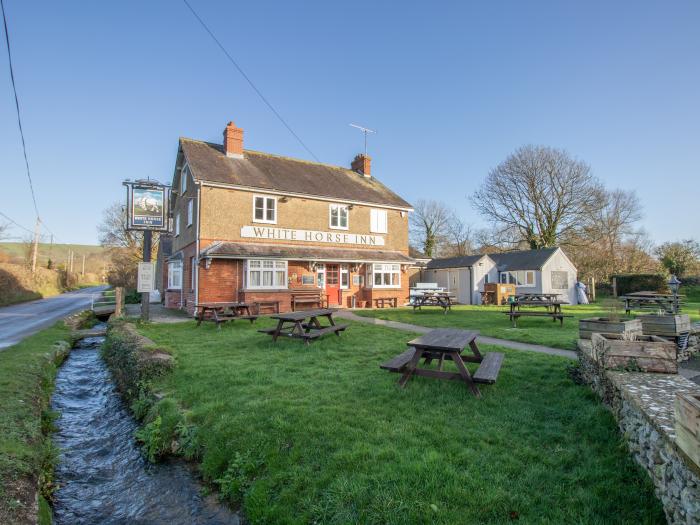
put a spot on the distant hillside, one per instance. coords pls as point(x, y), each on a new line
point(19, 253)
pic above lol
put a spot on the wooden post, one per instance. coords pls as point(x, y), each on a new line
point(592, 289)
point(83, 272)
point(36, 244)
point(614, 285)
point(119, 301)
point(145, 296)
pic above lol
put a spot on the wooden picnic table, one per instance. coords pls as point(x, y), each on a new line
point(547, 301)
point(431, 298)
point(304, 324)
point(446, 344)
point(222, 312)
point(669, 303)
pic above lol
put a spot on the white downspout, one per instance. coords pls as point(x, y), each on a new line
point(196, 244)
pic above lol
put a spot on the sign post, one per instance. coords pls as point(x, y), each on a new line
point(147, 210)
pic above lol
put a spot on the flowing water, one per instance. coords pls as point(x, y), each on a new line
point(102, 476)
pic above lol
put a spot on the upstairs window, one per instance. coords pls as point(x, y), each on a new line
point(266, 274)
point(175, 275)
point(190, 212)
point(177, 225)
point(184, 175)
point(339, 216)
point(265, 209)
point(378, 221)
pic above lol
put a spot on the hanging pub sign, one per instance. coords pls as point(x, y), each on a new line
point(147, 205)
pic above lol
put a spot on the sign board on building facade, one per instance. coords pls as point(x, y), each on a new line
point(146, 277)
point(147, 206)
point(286, 234)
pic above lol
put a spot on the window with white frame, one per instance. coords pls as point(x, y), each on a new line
point(266, 274)
point(522, 278)
point(344, 276)
point(338, 216)
point(378, 221)
point(265, 209)
point(193, 272)
point(175, 275)
point(384, 275)
point(184, 175)
point(321, 275)
point(190, 212)
point(177, 225)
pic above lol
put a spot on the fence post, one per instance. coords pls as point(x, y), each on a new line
point(614, 285)
point(119, 301)
point(592, 288)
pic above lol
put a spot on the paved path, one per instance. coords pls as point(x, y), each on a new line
point(515, 345)
point(21, 320)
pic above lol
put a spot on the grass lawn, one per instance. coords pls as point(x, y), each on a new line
point(320, 434)
point(26, 382)
point(491, 322)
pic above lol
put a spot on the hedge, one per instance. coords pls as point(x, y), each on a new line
point(641, 282)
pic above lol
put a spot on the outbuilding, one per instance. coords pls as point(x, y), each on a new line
point(548, 270)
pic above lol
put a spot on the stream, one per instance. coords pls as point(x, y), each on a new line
point(102, 476)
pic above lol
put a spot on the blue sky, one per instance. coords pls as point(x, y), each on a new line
point(452, 88)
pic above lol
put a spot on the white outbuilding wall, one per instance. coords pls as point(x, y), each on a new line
point(560, 264)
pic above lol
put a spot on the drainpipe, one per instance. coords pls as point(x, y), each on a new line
point(196, 245)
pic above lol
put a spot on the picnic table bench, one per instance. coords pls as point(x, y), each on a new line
point(222, 312)
point(669, 303)
point(547, 301)
point(446, 344)
point(431, 298)
point(304, 325)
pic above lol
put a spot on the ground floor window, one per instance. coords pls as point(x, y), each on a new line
point(321, 275)
point(193, 271)
point(560, 280)
point(523, 278)
point(264, 273)
point(175, 275)
point(384, 275)
point(344, 276)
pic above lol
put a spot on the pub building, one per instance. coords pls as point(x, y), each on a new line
point(261, 228)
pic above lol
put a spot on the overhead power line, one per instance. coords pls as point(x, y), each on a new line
point(240, 70)
point(19, 118)
point(16, 223)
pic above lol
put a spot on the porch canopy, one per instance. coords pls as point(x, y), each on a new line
point(239, 250)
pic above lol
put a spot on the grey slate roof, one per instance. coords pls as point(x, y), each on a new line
point(462, 261)
point(244, 250)
point(522, 260)
point(208, 162)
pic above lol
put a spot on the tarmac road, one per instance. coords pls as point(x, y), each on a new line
point(21, 320)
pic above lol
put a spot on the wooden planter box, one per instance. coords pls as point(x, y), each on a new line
point(666, 325)
point(687, 412)
point(648, 353)
point(603, 325)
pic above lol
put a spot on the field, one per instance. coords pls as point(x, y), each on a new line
point(319, 434)
point(95, 256)
point(489, 320)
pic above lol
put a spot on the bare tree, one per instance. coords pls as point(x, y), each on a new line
point(4, 227)
point(459, 238)
point(428, 225)
point(542, 193)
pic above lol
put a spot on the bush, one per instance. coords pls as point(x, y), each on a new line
point(641, 282)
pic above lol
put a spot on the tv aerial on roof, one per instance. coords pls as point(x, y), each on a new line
point(365, 131)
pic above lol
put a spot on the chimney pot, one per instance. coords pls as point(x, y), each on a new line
point(233, 141)
point(362, 164)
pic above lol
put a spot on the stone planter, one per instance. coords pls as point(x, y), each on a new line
point(687, 415)
point(603, 325)
point(665, 325)
point(647, 353)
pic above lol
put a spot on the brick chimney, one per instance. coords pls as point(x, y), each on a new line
point(233, 141)
point(362, 164)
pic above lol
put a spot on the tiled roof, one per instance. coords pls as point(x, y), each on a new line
point(463, 261)
point(264, 171)
point(239, 250)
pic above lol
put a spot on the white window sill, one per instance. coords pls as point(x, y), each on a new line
point(346, 228)
point(265, 289)
point(260, 221)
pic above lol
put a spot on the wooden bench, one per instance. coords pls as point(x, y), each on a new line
point(522, 313)
point(380, 302)
point(274, 305)
point(313, 297)
point(487, 372)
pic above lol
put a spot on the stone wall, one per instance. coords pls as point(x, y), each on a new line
point(643, 407)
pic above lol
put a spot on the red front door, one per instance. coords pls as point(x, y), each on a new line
point(333, 284)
